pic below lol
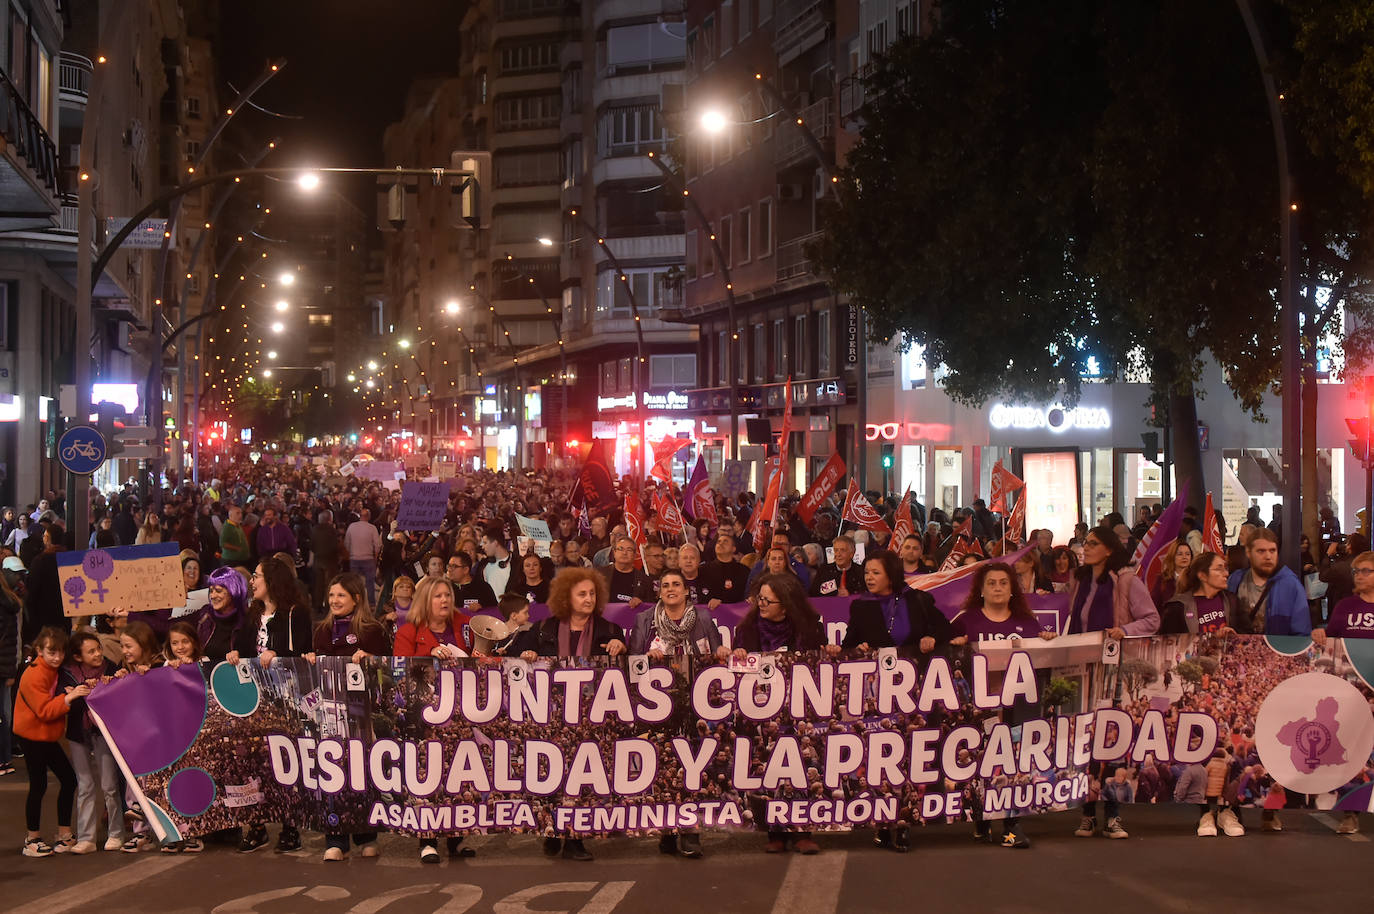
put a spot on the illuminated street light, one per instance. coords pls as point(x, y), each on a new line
point(283, 305)
point(713, 120)
point(352, 377)
point(403, 343)
point(267, 372)
point(271, 353)
point(309, 181)
point(546, 242)
point(287, 279)
point(278, 326)
point(452, 306)
point(371, 365)
point(371, 384)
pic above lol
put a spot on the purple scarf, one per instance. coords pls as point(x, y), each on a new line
point(584, 643)
point(895, 617)
point(774, 636)
point(1101, 614)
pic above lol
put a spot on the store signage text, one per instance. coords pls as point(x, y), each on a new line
point(1054, 418)
point(670, 400)
point(911, 431)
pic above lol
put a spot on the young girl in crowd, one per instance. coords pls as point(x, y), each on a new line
point(183, 645)
point(349, 630)
point(97, 775)
point(39, 721)
point(140, 649)
point(278, 625)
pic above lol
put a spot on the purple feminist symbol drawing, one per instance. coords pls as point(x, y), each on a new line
point(98, 566)
point(75, 588)
point(1314, 742)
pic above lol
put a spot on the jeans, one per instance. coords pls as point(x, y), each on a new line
point(368, 569)
point(6, 722)
point(40, 758)
point(97, 777)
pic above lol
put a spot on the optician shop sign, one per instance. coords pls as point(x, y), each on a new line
point(1055, 418)
point(669, 400)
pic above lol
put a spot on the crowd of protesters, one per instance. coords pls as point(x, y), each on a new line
point(300, 561)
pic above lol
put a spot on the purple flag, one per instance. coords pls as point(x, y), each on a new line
point(1149, 555)
point(698, 480)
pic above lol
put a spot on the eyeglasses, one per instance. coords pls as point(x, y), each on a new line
point(254, 576)
point(764, 601)
point(1362, 571)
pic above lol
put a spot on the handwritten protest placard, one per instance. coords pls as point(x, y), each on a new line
point(534, 528)
point(423, 505)
point(133, 578)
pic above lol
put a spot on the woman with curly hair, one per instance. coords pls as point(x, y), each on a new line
point(576, 627)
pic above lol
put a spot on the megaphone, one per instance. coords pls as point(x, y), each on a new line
point(487, 632)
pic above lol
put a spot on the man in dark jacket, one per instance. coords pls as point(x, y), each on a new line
point(840, 578)
point(124, 525)
point(628, 584)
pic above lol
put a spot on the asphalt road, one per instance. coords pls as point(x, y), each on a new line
point(1161, 869)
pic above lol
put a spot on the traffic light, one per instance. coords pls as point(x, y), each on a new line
point(1151, 442)
point(1360, 444)
point(110, 423)
point(887, 455)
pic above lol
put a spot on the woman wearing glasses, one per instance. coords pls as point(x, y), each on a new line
point(780, 618)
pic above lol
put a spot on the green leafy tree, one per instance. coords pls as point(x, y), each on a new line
point(1138, 675)
point(1189, 673)
point(1039, 184)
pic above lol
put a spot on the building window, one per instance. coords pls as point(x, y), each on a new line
point(708, 255)
point(722, 358)
point(528, 112)
point(526, 167)
point(779, 349)
point(743, 235)
point(678, 370)
point(726, 239)
point(630, 130)
point(824, 342)
point(800, 364)
point(693, 254)
point(904, 19)
point(765, 228)
point(572, 90)
point(192, 149)
point(572, 162)
point(193, 107)
point(760, 353)
point(649, 286)
point(746, 17)
point(914, 367)
point(529, 58)
point(627, 374)
point(320, 320)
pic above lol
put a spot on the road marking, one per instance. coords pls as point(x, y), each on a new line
point(812, 884)
point(83, 893)
point(1330, 822)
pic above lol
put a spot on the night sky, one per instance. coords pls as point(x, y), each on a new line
point(349, 63)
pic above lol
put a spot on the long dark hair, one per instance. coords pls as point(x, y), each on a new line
point(1117, 560)
point(974, 601)
point(787, 587)
point(1192, 576)
point(281, 588)
point(892, 567)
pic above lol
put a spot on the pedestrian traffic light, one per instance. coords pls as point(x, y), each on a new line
point(1360, 444)
point(110, 423)
point(887, 455)
point(1151, 442)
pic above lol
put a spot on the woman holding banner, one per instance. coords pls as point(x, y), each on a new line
point(278, 625)
point(780, 618)
point(350, 630)
point(894, 615)
point(1106, 596)
point(576, 627)
point(674, 627)
point(435, 629)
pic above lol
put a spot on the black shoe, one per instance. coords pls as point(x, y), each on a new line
point(667, 844)
point(456, 849)
point(552, 846)
point(901, 838)
point(574, 849)
point(689, 846)
point(982, 834)
point(288, 840)
point(883, 838)
point(1015, 839)
point(253, 839)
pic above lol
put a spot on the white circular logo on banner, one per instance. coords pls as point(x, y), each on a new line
point(1314, 732)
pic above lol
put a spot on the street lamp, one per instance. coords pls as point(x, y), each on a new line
point(282, 305)
point(287, 279)
point(452, 306)
point(278, 326)
point(271, 353)
point(546, 242)
point(714, 121)
point(267, 372)
point(371, 365)
point(309, 181)
point(403, 343)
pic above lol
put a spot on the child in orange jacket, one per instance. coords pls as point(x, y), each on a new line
point(40, 720)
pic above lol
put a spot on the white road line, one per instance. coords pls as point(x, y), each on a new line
point(109, 883)
point(812, 884)
point(1330, 822)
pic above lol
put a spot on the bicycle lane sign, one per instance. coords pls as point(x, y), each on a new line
point(81, 450)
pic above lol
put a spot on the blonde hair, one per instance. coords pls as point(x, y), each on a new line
point(424, 592)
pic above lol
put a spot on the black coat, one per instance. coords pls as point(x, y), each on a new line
point(288, 634)
point(10, 611)
point(807, 639)
point(543, 638)
point(866, 625)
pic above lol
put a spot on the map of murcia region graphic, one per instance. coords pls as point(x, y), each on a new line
point(1314, 741)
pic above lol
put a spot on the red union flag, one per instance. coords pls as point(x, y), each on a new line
point(634, 524)
point(821, 487)
point(1003, 484)
point(1016, 524)
point(774, 491)
point(1211, 536)
point(859, 512)
point(663, 457)
point(956, 554)
point(669, 518)
point(903, 526)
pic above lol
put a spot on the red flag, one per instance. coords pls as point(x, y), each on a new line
point(774, 490)
point(859, 512)
point(821, 487)
point(976, 548)
point(964, 529)
point(1016, 524)
point(634, 524)
point(663, 457)
point(1211, 535)
point(956, 554)
point(669, 518)
point(1003, 484)
point(903, 526)
point(756, 517)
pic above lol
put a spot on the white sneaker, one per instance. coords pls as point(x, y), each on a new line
point(429, 854)
point(1207, 826)
point(369, 850)
point(1230, 823)
point(114, 844)
point(83, 847)
point(333, 854)
point(1114, 828)
point(63, 844)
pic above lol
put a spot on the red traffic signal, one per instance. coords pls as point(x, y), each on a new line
point(1361, 443)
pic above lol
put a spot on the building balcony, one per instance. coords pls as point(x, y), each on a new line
point(74, 79)
point(636, 248)
point(28, 166)
point(791, 259)
point(853, 93)
point(792, 145)
point(799, 26)
point(633, 165)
